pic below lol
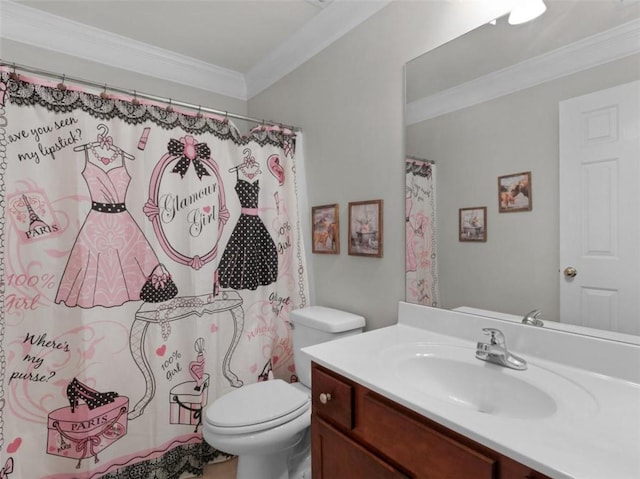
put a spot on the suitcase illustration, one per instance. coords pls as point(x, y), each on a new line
point(82, 432)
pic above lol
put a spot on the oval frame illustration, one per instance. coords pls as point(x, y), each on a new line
point(152, 211)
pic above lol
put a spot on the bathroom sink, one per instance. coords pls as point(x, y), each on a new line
point(453, 374)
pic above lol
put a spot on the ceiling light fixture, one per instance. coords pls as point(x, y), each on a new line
point(526, 10)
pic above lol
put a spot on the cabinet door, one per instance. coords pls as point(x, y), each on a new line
point(425, 452)
point(335, 456)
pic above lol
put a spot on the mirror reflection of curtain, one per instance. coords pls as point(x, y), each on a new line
point(118, 326)
point(421, 270)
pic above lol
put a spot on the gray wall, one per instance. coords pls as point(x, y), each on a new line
point(349, 101)
point(516, 270)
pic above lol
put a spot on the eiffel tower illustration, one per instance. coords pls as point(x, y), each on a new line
point(34, 219)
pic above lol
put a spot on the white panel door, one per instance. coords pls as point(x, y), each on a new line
point(600, 209)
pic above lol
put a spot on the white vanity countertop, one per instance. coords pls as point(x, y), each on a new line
point(599, 439)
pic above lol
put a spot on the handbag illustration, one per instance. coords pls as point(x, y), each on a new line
point(159, 286)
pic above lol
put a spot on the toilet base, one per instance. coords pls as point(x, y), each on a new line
point(302, 470)
point(272, 466)
point(299, 460)
point(291, 463)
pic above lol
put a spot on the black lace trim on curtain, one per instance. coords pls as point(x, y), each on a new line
point(189, 458)
point(25, 93)
point(418, 168)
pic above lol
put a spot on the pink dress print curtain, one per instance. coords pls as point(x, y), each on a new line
point(421, 269)
point(149, 261)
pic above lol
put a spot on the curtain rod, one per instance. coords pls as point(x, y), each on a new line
point(137, 94)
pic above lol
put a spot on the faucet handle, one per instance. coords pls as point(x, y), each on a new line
point(497, 337)
point(533, 318)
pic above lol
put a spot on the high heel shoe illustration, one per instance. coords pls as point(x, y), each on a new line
point(92, 398)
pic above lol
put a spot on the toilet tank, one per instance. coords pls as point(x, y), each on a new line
point(315, 325)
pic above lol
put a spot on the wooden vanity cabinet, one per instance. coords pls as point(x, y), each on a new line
point(359, 434)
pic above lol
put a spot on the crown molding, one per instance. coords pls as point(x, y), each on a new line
point(334, 21)
point(590, 52)
point(41, 29)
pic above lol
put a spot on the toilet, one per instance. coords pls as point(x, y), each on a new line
point(267, 424)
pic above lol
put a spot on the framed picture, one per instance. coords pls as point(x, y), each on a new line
point(365, 228)
point(325, 225)
point(514, 192)
point(473, 224)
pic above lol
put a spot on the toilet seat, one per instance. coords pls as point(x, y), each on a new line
point(256, 407)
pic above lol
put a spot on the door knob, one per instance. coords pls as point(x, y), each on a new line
point(570, 272)
point(325, 398)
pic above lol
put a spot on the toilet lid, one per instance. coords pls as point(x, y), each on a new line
point(257, 406)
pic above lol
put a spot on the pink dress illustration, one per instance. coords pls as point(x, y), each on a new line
point(111, 258)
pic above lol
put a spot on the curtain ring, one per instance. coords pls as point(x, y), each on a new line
point(61, 86)
point(104, 95)
point(199, 114)
point(135, 100)
point(263, 126)
point(13, 75)
point(169, 107)
point(226, 117)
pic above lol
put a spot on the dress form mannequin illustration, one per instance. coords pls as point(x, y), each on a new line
point(250, 258)
point(111, 258)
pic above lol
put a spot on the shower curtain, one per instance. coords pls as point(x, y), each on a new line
point(421, 267)
point(149, 259)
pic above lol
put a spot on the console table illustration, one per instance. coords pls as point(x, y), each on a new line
point(178, 308)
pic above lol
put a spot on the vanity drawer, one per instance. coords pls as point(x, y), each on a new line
point(332, 398)
point(426, 452)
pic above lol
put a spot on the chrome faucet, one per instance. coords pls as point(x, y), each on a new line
point(495, 351)
point(533, 318)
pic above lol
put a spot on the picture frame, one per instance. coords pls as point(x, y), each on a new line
point(366, 228)
point(472, 224)
point(325, 229)
point(514, 192)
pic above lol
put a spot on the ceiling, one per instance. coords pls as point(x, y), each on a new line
point(230, 34)
point(485, 51)
point(253, 42)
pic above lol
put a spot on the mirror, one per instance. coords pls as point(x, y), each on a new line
point(485, 106)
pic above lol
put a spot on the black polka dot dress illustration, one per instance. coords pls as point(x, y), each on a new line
point(250, 258)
